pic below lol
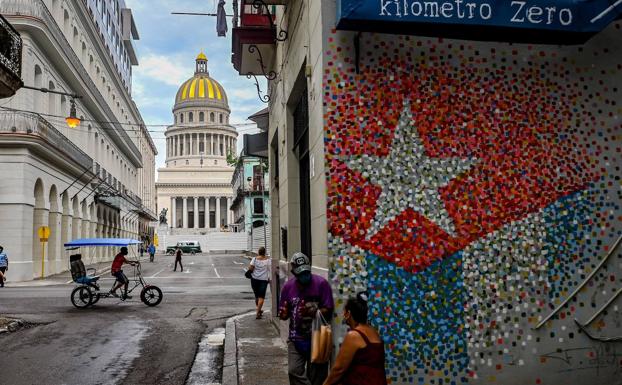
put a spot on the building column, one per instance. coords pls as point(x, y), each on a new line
point(196, 212)
point(211, 144)
point(218, 213)
point(185, 213)
point(229, 212)
point(174, 212)
point(190, 148)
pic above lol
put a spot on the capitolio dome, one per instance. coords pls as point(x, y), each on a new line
point(201, 89)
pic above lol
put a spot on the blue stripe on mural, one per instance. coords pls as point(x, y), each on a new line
point(421, 318)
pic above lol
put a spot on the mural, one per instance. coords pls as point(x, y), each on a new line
point(472, 187)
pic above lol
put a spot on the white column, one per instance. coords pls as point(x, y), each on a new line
point(191, 150)
point(173, 212)
point(229, 212)
point(184, 214)
point(218, 213)
point(211, 144)
point(196, 212)
point(206, 212)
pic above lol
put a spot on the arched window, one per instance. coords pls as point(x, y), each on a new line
point(51, 99)
point(212, 117)
point(201, 117)
point(181, 118)
point(220, 118)
point(190, 117)
point(38, 81)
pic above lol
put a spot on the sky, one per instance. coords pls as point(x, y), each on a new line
point(167, 50)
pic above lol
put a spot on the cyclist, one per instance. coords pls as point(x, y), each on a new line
point(116, 270)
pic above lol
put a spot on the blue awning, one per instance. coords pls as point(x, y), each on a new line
point(102, 242)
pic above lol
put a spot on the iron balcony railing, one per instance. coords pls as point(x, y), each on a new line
point(10, 58)
point(35, 126)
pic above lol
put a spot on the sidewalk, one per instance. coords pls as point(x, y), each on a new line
point(254, 352)
point(57, 279)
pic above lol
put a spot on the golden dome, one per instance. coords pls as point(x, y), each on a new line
point(201, 87)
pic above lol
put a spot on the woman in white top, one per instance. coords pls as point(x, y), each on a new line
point(261, 268)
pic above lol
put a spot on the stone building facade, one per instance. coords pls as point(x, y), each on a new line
point(195, 186)
point(95, 180)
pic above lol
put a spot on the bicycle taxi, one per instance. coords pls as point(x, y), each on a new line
point(88, 292)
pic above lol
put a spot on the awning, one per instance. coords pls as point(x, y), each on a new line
point(102, 242)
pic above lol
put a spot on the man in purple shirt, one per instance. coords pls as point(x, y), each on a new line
point(301, 297)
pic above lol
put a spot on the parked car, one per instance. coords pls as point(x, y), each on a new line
point(188, 247)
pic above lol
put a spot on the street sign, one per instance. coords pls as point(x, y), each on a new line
point(44, 233)
point(560, 21)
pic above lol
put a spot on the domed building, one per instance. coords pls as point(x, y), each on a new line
point(195, 186)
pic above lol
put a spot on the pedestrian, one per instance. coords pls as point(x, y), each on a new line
point(178, 255)
point(151, 250)
point(301, 297)
point(141, 250)
point(4, 266)
point(261, 269)
point(361, 357)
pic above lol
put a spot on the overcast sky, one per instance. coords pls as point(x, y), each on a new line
point(167, 49)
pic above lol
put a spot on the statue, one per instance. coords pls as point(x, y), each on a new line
point(163, 220)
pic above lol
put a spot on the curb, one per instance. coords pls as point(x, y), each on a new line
point(230, 360)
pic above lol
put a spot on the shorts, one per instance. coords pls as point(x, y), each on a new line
point(259, 287)
point(121, 277)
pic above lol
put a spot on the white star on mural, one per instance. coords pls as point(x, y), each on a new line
point(409, 178)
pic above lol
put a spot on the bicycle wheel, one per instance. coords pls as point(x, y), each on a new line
point(151, 295)
point(81, 297)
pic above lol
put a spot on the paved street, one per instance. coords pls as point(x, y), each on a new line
point(118, 342)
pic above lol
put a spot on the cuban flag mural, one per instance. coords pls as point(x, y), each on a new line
point(472, 187)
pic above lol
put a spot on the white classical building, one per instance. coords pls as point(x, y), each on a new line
point(94, 180)
point(195, 186)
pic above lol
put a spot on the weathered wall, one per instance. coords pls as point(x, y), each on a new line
point(471, 187)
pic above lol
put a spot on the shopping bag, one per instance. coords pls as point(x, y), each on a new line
point(321, 340)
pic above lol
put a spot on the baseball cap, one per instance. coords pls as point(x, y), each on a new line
point(300, 263)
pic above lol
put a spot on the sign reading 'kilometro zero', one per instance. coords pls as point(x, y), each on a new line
point(554, 21)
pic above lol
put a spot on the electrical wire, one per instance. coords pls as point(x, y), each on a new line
point(123, 124)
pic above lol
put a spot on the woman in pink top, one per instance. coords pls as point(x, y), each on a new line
point(361, 356)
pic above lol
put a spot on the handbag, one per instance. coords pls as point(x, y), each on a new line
point(248, 274)
point(321, 340)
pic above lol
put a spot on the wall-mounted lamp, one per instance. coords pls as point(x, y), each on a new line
point(72, 120)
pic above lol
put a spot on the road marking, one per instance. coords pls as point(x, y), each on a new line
point(216, 271)
point(161, 270)
point(238, 263)
point(319, 268)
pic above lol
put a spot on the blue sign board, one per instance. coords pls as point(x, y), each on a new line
point(555, 21)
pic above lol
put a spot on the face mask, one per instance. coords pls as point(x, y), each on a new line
point(304, 278)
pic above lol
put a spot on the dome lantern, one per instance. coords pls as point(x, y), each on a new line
point(201, 64)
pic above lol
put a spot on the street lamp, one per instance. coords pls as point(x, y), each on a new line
point(72, 120)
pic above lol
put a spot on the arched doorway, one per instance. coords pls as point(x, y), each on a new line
point(39, 219)
point(55, 248)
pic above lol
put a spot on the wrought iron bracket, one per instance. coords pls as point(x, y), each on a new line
point(260, 5)
point(265, 97)
point(270, 75)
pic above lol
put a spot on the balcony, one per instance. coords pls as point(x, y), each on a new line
point(255, 36)
point(10, 59)
point(24, 127)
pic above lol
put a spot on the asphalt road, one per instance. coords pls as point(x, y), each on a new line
point(117, 342)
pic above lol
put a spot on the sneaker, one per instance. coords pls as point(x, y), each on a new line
point(114, 294)
point(125, 296)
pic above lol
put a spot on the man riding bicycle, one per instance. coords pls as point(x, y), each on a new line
point(116, 270)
